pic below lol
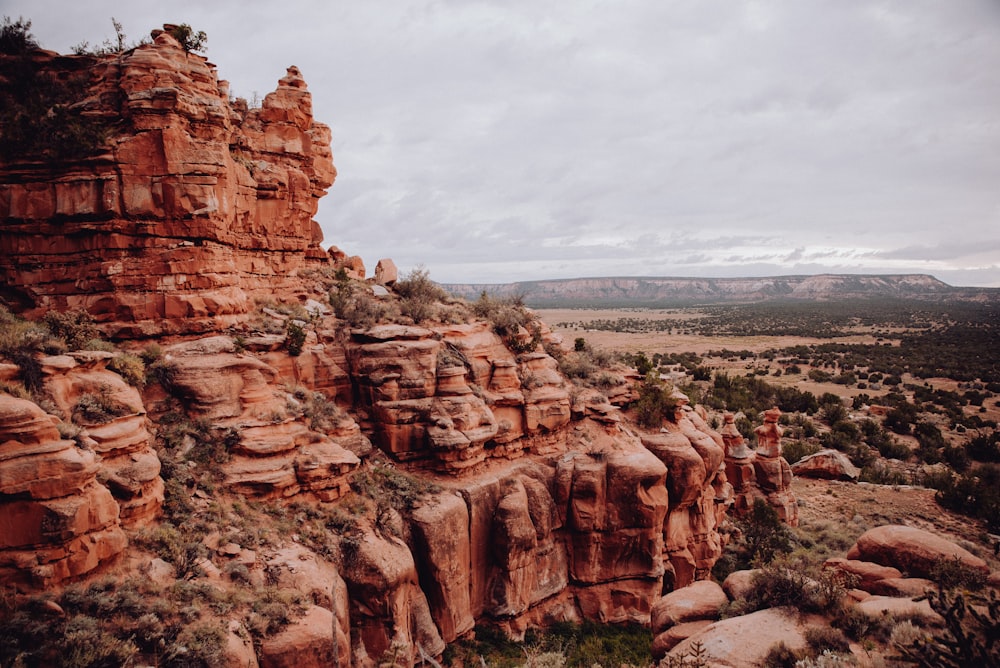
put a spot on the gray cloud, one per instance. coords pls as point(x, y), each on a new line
point(518, 140)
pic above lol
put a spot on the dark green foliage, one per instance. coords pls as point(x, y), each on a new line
point(985, 447)
point(130, 367)
point(976, 493)
point(821, 638)
point(581, 645)
point(792, 582)
point(189, 39)
point(110, 624)
point(75, 327)
point(385, 483)
point(579, 344)
point(419, 294)
point(795, 450)
point(40, 118)
point(510, 320)
point(900, 418)
point(781, 656)
point(175, 546)
point(971, 635)
point(751, 394)
point(99, 407)
point(295, 338)
point(764, 534)
point(16, 38)
point(655, 403)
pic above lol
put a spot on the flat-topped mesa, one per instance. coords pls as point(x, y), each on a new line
point(192, 205)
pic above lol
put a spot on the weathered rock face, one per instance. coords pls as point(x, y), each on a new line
point(698, 494)
point(196, 205)
point(56, 520)
point(272, 451)
point(455, 396)
point(130, 466)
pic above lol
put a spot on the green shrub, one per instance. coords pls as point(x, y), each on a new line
point(655, 403)
point(764, 534)
point(75, 327)
point(402, 490)
point(16, 38)
point(295, 338)
point(189, 39)
point(419, 294)
point(795, 450)
point(781, 656)
point(99, 407)
point(820, 638)
point(130, 367)
point(163, 372)
point(510, 318)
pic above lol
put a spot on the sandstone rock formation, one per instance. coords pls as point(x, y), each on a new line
point(272, 451)
point(774, 475)
point(549, 506)
point(193, 206)
point(56, 520)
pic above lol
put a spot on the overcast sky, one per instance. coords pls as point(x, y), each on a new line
point(525, 139)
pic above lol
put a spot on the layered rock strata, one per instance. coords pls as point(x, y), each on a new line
point(57, 521)
point(192, 206)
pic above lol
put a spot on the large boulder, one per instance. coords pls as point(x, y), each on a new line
point(697, 602)
point(827, 465)
point(743, 642)
point(914, 551)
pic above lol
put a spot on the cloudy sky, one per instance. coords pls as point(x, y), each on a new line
point(504, 140)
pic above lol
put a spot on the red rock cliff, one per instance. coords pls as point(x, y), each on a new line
point(193, 205)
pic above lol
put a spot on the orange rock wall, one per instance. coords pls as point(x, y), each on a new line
point(197, 205)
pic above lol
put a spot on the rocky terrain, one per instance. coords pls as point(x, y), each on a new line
point(660, 292)
point(221, 445)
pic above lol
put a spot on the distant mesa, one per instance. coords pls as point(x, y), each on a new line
point(669, 291)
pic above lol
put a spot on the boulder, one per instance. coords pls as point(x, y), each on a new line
point(879, 606)
point(827, 465)
point(743, 642)
point(697, 601)
point(307, 642)
point(913, 551)
point(737, 584)
point(865, 572)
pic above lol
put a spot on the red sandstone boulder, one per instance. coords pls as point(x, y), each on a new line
point(308, 642)
point(903, 608)
point(738, 583)
point(866, 573)
point(743, 642)
point(827, 465)
point(386, 272)
point(914, 551)
point(699, 601)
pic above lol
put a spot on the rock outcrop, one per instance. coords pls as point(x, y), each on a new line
point(917, 552)
point(193, 206)
point(828, 465)
point(57, 521)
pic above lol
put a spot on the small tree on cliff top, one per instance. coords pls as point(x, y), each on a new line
point(189, 39)
point(655, 403)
